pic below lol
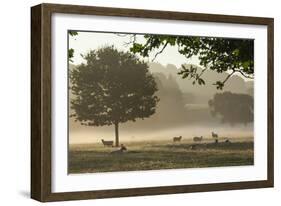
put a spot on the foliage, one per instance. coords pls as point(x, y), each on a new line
point(218, 54)
point(73, 33)
point(233, 108)
point(71, 50)
point(112, 87)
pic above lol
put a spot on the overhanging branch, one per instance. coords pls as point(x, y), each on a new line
point(165, 45)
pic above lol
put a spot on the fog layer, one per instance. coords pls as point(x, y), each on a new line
point(183, 110)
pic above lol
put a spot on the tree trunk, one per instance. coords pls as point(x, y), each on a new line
point(116, 134)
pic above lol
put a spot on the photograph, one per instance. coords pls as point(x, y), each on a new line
point(158, 101)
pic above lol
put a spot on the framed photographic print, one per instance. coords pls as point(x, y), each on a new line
point(132, 102)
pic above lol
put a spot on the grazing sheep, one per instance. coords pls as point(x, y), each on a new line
point(120, 151)
point(198, 146)
point(227, 141)
point(107, 143)
point(177, 139)
point(197, 139)
point(193, 147)
point(214, 135)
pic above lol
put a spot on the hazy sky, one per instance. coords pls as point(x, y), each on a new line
point(86, 41)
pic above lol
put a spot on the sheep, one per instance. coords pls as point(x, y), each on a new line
point(214, 135)
point(227, 141)
point(197, 139)
point(198, 146)
point(177, 139)
point(119, 151)
point(107, 143)
point(193, 147)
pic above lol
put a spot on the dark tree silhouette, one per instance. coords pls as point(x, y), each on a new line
point(217, 54)
point(233, 108)
point(113, 87)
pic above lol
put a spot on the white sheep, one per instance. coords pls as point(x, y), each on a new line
point(197, 139)
point(177, 139)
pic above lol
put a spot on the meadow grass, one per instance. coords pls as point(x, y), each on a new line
point(155, 155)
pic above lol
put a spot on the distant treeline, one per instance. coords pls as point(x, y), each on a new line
point(181, 102)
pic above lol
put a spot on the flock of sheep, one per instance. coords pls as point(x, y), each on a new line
point(175, 139)
point(199, 139)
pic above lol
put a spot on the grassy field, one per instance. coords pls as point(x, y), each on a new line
point(154, 155)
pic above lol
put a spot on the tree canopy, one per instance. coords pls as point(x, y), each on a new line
point(233, 108)
point(217, 54)
point(112, 87)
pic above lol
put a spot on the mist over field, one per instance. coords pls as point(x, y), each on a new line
point(95, 135)
point(183, 110)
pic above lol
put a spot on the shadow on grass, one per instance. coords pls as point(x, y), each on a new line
point(217, 146)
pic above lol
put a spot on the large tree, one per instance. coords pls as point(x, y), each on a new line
point(234, 56)
point(233, 108)
point(112, 87)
